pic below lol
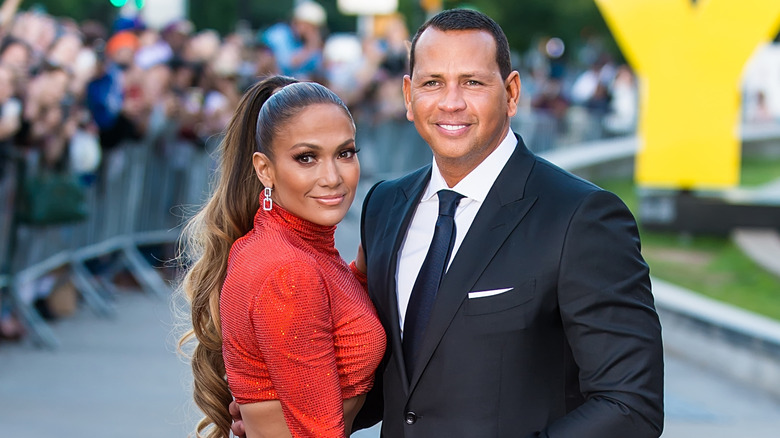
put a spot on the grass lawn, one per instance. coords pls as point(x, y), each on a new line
point(759, 170)
point(712, 266)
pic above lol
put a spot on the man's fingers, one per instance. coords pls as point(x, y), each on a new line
point(235, 412)
point(238, 426)
point(238, 429)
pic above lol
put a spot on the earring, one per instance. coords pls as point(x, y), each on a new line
point(268, 203)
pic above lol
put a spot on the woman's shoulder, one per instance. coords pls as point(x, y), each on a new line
point(259, 255)
point(259, 266)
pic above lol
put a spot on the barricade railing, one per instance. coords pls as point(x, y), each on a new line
point(137, 200)
point(542, 131)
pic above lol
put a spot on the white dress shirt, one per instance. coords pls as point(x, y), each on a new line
point(475, 187)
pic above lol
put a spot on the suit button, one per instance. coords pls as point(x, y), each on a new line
point(411, 417)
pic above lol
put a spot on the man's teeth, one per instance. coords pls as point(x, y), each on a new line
point(452, 127)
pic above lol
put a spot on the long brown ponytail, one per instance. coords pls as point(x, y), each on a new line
point(206, 241)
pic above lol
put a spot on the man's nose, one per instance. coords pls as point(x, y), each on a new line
point(452, 98)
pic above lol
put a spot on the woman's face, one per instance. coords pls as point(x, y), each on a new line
point(16, 56)
point(314, 171)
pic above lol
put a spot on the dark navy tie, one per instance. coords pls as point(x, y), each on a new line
point(427, 284)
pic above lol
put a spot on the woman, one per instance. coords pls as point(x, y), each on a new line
point(282, 315)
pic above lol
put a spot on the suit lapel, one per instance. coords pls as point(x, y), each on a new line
point(505, 206)
point(404, 204)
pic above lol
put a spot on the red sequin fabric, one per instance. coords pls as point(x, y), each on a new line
point(297, 324)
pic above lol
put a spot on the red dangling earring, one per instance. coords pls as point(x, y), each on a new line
point(268, 203)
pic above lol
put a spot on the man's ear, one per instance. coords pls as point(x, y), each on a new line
point(513, 92)
point(263, 169)
point(408, 98)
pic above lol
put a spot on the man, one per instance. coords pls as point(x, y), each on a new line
point(544, 323)
point(297, 46)
point(112, 98)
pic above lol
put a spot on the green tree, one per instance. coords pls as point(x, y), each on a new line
point(218, 15)
point(78, 10)
point(222, 16)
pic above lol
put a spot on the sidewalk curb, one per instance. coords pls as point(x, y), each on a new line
point(737, 343)
point(761, 245)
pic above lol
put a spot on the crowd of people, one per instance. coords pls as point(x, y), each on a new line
point(60, 76)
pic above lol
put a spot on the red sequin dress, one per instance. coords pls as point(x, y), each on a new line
point(297, 324)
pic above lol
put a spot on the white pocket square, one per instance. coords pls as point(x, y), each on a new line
point(488, 293)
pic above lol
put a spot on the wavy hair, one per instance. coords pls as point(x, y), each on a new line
point(229, 214)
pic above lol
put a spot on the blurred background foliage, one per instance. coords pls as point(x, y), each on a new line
point(79, 10)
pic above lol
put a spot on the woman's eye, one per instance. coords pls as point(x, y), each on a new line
point(349, 153)
point(305, 158)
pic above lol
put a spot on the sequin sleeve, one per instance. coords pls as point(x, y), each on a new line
point(359, 276)
point(294, 329)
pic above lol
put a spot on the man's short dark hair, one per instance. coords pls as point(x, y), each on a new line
point(467, 19)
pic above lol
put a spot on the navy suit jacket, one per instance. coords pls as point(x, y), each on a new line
point(573, 349)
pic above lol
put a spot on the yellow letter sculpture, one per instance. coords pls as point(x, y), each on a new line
point(689, 59)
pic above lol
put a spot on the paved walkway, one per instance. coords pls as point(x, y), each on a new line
point(117, 378)
point(121, 378)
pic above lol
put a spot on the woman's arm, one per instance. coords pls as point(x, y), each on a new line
point(358, 267)
point(264, 419)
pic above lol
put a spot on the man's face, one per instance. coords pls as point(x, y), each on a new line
point(16, 56)
point(457, 99)
point(304, 30)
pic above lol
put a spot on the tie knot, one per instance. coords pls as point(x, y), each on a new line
point(448, 202)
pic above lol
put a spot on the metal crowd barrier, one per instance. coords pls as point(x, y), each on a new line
point(140, 197)
point(543, 132)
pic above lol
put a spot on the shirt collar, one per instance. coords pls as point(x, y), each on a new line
point(478, 182)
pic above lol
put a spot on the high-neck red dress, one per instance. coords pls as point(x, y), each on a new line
point(297, 324)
